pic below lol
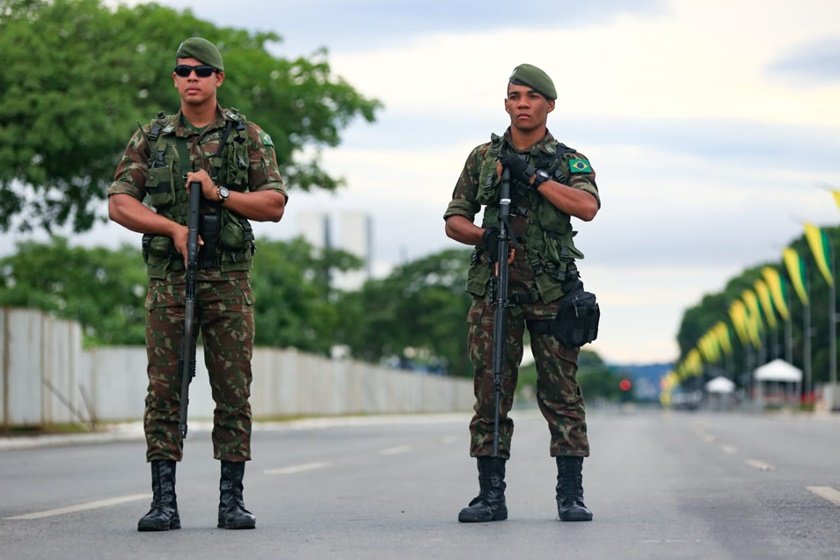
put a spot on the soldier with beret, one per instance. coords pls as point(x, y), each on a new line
point(550, 184)
point(234, 161)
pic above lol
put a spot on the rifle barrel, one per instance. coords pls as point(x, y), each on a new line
point(186, 363)
point(502, 303)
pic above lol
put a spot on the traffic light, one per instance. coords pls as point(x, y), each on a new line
point(625, 385)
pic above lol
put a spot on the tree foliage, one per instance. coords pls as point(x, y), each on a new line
point(103, 290)
point(295, 301)
point(414, 317)
point(714, 307)
point(78, 76)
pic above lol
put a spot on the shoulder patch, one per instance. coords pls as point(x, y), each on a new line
point(266, 139)
point(578, 165)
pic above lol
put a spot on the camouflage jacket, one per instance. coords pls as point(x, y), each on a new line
point(544, 233)
point(158, 156)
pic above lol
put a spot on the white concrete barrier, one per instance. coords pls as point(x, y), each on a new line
point(46, 377)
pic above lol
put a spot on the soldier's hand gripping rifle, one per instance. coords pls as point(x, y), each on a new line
point(501, 301)
point(186, 361)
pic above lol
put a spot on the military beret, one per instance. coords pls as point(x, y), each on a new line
point(201, 50)
point(531, 76)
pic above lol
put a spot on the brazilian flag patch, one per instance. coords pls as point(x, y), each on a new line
point(266, 139)
point(578, 165)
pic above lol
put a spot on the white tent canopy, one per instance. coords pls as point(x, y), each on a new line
point(778, 370)
point(720, 384)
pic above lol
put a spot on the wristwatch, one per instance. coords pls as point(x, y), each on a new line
point(224, 194)
point(540, 177)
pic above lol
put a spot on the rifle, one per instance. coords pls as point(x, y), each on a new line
point(186, 361)
point(502, 301)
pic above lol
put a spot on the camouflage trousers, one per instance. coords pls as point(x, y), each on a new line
point(225, 320)
point(558, 394)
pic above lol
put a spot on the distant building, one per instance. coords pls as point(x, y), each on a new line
point(355, 236)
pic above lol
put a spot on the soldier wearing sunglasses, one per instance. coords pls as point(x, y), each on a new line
point(233, 159)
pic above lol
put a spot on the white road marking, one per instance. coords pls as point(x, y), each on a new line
point(826, 492)
point(760, 465)
point(448, 440)
point(709, 438)
point(83, 507)
point(297, 468)
point(728, 449)
point(395, 450)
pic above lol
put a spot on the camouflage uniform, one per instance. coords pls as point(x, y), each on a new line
point(152, 168)
point(544, 263)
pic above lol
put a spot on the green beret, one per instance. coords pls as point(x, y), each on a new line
point(531, 76)
point(202, 50)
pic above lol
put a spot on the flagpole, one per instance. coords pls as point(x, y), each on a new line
point(832, 330)
point(806, 341)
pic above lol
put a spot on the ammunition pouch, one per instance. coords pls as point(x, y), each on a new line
point(576, 322)
point(208, 228)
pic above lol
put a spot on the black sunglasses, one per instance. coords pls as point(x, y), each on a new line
point(203, 71)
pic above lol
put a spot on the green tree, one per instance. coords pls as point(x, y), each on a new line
point(78, 76)
point(414, 316)
point(101, 289)
point(295, 300)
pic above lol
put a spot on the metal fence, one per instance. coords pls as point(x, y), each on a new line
point(49, 378)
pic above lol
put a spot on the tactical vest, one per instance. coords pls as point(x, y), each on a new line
point(548, 240)
point(228, 238)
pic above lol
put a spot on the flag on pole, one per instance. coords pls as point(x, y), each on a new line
point(766, 303)
point(778, 290)
point(796, 272)
point(818, 241)
point(836, 194)
point(754, 323)
point(723, 337)
point(738, 314)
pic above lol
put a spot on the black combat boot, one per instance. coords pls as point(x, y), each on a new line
point(489, 505)
point(570, 504)
point(232, 512)
point(164, 513)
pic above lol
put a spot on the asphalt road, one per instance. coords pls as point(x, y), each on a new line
point(661, 485)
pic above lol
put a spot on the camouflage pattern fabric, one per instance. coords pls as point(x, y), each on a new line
point(133, 169)
point(225, 310)
point(225, 320)
point(558, 394)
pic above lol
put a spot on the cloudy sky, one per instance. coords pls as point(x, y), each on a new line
point(713, 126)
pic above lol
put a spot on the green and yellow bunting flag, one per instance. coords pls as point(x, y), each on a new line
point(836, 194)
point(766, 303)
point(738, 314)
point(818, 241)
point(754, 323)
point(722, 333)
point(796, 272)
point(778, 290)
point(709, 348)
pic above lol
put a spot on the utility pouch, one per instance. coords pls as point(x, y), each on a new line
point(209, 228)
point(577, 320)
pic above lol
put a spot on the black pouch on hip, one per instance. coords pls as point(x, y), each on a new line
point(577, 320)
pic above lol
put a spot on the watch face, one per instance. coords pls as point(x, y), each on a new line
point(224, 192)
point(542, 174)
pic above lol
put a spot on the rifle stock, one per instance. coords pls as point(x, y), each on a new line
point(501, 303)
point(186, 361)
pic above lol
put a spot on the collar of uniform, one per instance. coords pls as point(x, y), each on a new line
point(182, 131)
point(545, 146)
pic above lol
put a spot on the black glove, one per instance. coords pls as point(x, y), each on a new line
point(490, 239)
point(518, 168)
